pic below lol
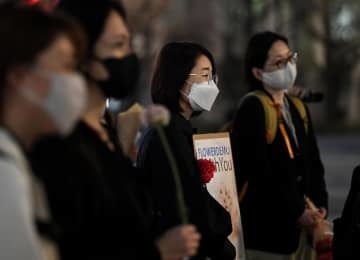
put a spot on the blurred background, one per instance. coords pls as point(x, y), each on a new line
point(325, 33)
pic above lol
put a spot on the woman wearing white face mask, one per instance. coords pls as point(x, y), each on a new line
point(276, 156)
point(184, 81)
point(41, 94)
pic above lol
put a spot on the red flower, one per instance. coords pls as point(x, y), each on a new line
point(207, 170)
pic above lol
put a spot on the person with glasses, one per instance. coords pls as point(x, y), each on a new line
point(206, 75)
point(184, 81)
point(276, 156)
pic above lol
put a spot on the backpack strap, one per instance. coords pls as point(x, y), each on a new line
point(271, 123)
point(270, 113)
point(300, 107)
point(272, 117)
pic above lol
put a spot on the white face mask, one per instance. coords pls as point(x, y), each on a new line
point(66, 100)
point(202, 95)
point(281, 79)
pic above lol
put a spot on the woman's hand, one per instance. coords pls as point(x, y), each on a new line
point(179, 242)
point(309, 218)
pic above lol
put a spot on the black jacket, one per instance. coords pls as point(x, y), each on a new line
point(347, 227)
point(276, 184)
point(210, 218)
point(94, 198)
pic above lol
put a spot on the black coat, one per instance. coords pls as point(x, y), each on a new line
point(347, 227)
point(210, 218)
point(276, 184)
point(94, 198)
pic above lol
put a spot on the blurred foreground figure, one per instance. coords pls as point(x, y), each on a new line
point(41, 94)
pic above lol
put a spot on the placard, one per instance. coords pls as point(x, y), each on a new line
point(217, 148)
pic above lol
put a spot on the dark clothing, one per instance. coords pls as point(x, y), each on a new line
point(276, 183)
point(210, 218)
point(94, 198)
point(347, 227)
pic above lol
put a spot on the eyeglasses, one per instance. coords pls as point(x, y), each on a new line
point(282, 62)
point(207, 75)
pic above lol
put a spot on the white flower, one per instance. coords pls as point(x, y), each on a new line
point(156, 114)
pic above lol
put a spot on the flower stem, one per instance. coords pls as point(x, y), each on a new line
point(175, 172)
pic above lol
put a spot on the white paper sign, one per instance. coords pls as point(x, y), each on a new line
point(217, 148)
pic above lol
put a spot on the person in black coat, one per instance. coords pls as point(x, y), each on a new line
point(97, 202)
point(184, 82)
point(347, 226)
point(277, 173)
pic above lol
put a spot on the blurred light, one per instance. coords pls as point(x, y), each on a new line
point(45, 5)
point(32, 2)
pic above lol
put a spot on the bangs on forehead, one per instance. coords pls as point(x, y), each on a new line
point(277, 52)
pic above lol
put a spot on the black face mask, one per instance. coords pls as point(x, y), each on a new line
point(123, 76)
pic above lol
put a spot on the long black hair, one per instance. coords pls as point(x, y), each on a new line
point(174, 63)
point(257, 53)
point(92, 15)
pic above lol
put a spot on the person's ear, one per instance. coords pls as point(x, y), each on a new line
point(19, 77)
point(96, 69)
point(257, 73)
point(186, 88)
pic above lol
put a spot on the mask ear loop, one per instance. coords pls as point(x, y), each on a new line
point(185, 96)
point(188, 82)
point(182, 92)
point(43, 74)
point(86, 67)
